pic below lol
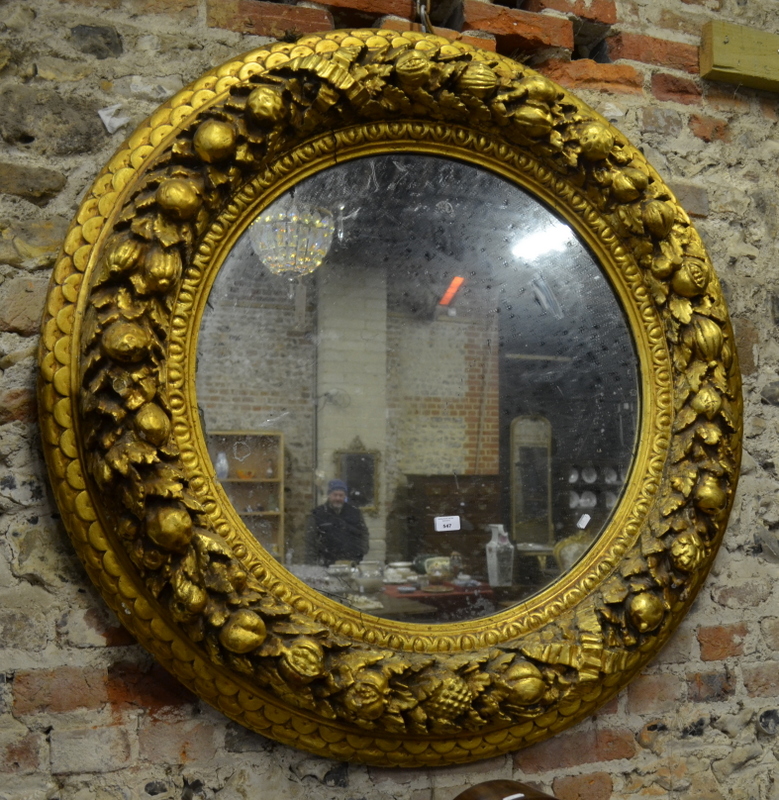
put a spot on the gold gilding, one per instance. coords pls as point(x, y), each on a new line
point(265, 106)
point(214, 141)
point(179, 198)
point(157, 537)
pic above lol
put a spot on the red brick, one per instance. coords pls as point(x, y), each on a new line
point(596, 786)
point(21, 755)
point(769, 108)
point(722, 641)
point(710, 129)
point(649, 50)
point(671, 87)
point(17, 405)
point(101, 623)
point(723, 97)
point(679, 648)
point(565, 751)
point(654, 694)
point(604, 11)
point(153, 689)
point(762, 680)
point(59, 690)
point(609, 708)
point(572, 750)
point(587, 74)
point(266, 19)
point(516, 29)
point(710, 687)
point(611, 744)
point(401, 25)
point(376, 8)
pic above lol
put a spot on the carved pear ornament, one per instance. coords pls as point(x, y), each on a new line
point(137, 489)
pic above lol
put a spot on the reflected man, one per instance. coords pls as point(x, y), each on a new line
point(336, 530)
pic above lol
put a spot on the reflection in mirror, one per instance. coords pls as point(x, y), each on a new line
point(464, 335)
point(531, 480)
point(358, 469)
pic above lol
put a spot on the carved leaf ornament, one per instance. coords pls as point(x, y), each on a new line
point(127, 457)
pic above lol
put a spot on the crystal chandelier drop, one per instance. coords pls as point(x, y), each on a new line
point(292, 240)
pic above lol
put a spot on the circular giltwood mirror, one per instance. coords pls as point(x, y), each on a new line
point(390, 398)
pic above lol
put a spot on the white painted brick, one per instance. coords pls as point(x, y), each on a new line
point(90, 750)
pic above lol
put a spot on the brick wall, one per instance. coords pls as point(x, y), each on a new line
point(84, 714)
point(445, 403)
point(250, 320)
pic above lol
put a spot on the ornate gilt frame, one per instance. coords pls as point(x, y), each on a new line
point(127, 456)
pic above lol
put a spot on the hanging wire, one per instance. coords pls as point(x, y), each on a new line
point(423, 15)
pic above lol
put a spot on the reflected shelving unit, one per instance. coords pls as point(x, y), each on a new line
point(594, 488)
point(250, 467)
point(472, 498)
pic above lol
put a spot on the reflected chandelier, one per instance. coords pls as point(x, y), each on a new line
point(292, 241)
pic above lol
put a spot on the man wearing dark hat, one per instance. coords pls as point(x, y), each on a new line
point(336, 530)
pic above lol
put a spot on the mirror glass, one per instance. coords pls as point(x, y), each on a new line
point(435, 335)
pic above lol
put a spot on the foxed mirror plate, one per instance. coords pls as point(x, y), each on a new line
point(187, 498)
point(433, 382)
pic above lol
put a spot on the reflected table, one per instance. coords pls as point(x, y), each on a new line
point(402, 608)
point(541, 551)
point(451, 600)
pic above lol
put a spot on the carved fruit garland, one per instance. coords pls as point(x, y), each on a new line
point(271, 103)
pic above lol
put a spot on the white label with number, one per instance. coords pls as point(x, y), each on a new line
point(447, 523)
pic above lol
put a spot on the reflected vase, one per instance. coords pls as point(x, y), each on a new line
point(500, 557)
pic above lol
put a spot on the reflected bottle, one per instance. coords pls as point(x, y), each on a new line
point(500, 557)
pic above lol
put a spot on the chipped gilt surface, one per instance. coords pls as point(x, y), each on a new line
point(135, 485)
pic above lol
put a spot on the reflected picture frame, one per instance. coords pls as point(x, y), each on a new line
point(358, 468)
point(127, 456)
